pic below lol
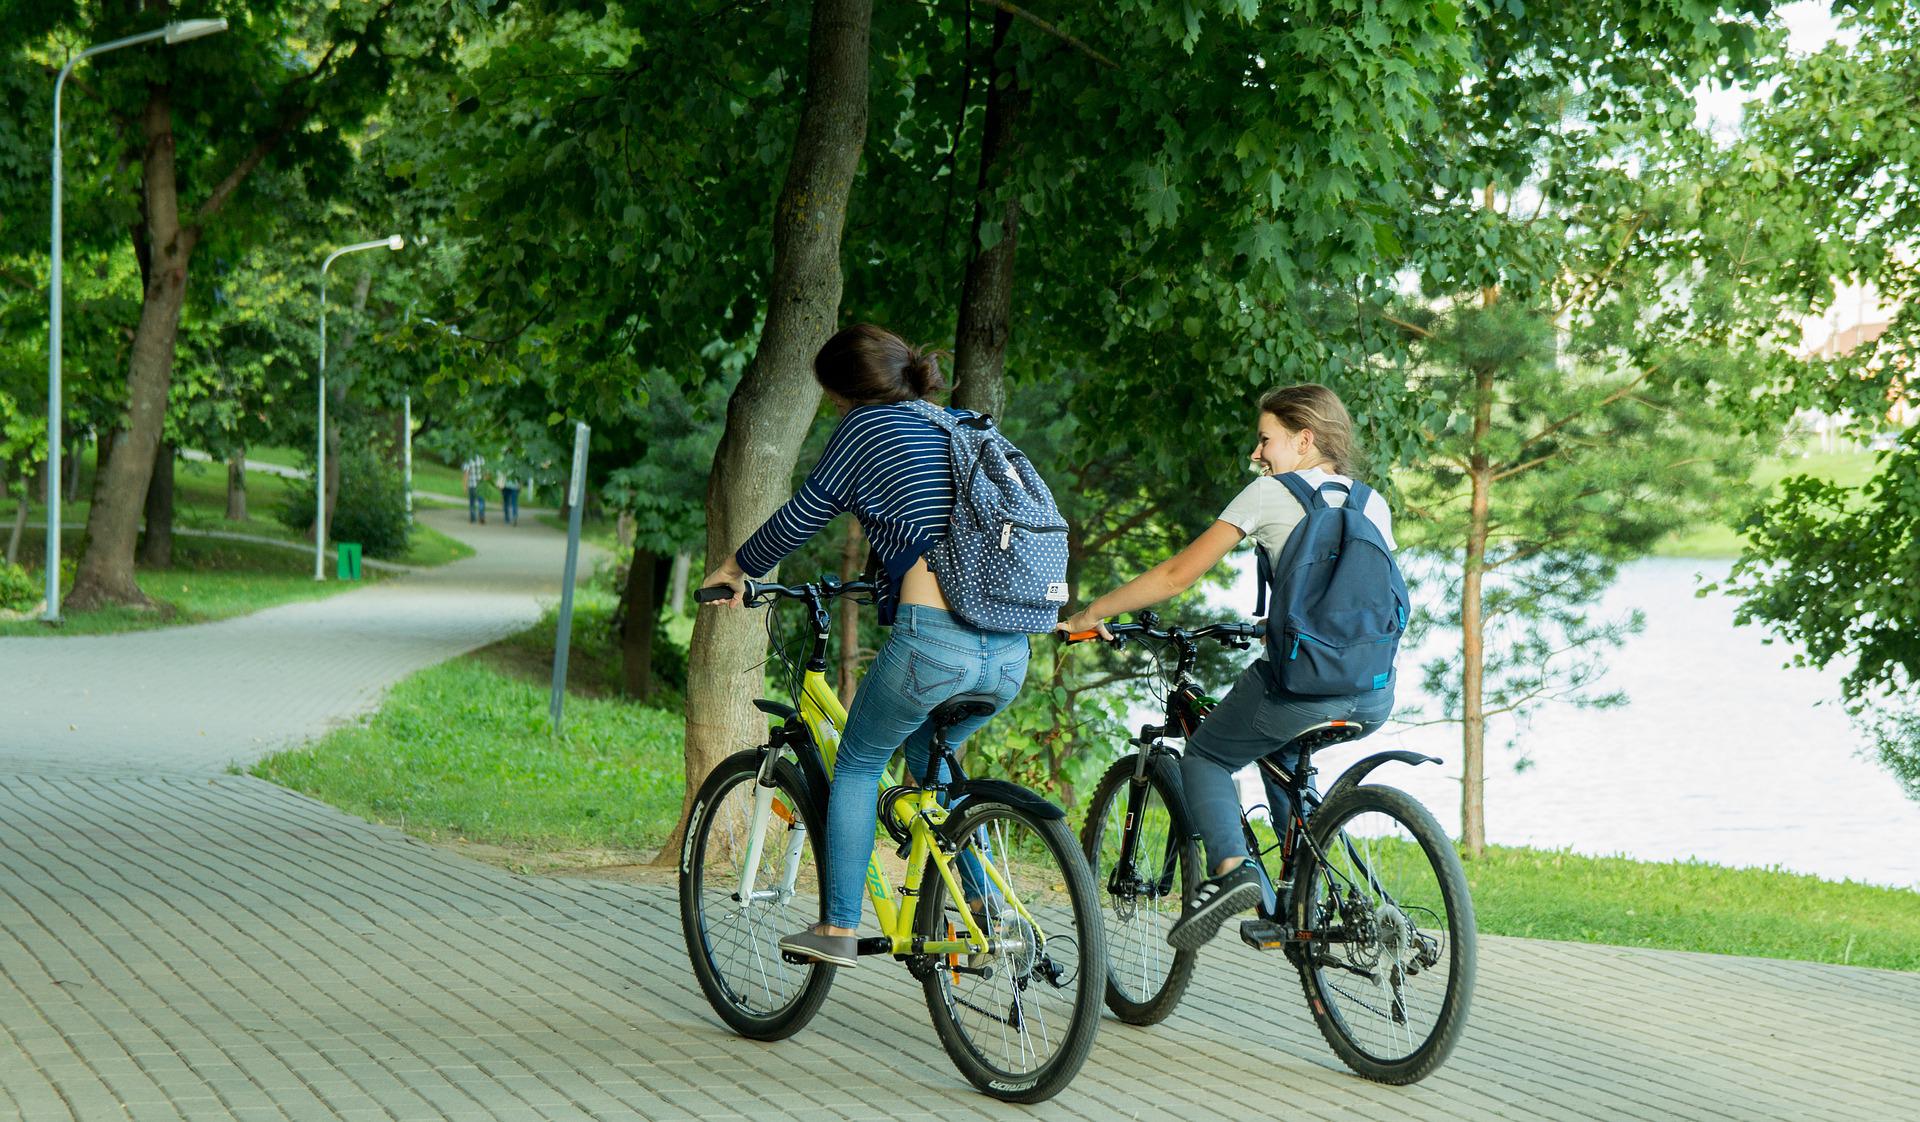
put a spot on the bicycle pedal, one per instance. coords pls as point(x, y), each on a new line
point(1262, 934)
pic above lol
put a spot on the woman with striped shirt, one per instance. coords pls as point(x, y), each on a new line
point(889, 466)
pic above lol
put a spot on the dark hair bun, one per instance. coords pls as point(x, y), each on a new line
point(869, 365)
point(923, 372)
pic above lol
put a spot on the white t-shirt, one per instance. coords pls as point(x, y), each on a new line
point(1267, 512)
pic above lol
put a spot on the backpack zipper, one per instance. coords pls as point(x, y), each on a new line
point(1008, 526)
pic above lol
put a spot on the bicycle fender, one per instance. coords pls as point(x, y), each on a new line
point(1359, 771)
point(998, 790)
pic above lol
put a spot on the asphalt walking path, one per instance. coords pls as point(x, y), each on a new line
point(181, 942)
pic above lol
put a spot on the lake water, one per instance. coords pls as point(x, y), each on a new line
point(1722, 753)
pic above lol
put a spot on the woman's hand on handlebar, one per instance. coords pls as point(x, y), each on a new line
point(1077, 625)
point(729, 576)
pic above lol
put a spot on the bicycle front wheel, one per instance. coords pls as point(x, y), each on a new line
point(734, 941)
point(1140, 892)
point(1019, 1020)
point(1389, 975)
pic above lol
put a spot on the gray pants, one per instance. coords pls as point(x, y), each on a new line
point(1251, 722)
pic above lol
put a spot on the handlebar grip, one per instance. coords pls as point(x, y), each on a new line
point(1076, 636)
point(712, 593)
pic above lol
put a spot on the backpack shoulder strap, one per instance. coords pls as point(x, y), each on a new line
point(934, 413)
point(1359, 495)
point(1263, 576)
point(1309, 498)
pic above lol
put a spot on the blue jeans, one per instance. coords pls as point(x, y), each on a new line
point(476, 504)
point(1253, 721)
point(510, 505)
point(930, 657)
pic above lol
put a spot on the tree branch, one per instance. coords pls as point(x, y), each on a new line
point(1018, 12)
point(1528, 466)
point(1563, 422)
point(1122, 529)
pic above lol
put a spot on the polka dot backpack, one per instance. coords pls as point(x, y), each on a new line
point(1003, 563)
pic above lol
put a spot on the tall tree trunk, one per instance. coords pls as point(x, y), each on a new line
point(986, 295)
point(237, 487)
point(853, 556)
point(20, 515)
point(156, 547)
point(639, 613)
point(1473, 722)
point(120, 488)
point(677, 583)
point(70, 467)
point(771, 408)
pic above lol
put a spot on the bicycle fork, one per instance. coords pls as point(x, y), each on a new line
point(763, 812)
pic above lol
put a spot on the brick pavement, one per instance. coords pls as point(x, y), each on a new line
point(179, 946)
point(180, 943)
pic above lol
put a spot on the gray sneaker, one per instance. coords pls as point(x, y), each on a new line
point(836, 950)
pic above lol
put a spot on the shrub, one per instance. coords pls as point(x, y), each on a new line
point(371, 508)
point(19, 589)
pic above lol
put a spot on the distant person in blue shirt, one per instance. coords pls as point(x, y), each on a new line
point(509, 498)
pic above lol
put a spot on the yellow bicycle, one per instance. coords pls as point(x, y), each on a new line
point(995, 912)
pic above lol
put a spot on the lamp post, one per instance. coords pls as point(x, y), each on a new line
point(177, 32)
point(320, 438)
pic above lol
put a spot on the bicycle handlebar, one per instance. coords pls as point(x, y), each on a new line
point(758, 592)
point(1233, 634)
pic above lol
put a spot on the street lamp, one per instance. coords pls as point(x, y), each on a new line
point(177, 32)
point(320, 439)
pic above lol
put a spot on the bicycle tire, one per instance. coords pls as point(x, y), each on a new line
point(1040, 859)
point(726, 948)
point(1383, 836)
point(1146, 977)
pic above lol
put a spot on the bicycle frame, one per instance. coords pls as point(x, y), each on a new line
point(812, 732)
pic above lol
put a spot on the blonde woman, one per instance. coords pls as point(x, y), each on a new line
point(1304, 429)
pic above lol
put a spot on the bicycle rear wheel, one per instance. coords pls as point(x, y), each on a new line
point(735, 944)
point(1391, 977)
point(1019, 1022)
point(1140, 899)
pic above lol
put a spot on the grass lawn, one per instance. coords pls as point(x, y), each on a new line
point(1717, 540)
point(209, 579)
point(1694, 907)
point(461, 754)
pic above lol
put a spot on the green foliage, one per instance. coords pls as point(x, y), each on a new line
point(371, 508)
point(19, 590)
point(1829, 566)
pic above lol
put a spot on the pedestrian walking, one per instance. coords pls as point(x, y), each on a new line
point(474, 472)
point(509, 498)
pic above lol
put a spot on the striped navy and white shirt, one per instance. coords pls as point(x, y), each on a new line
point(888, 465)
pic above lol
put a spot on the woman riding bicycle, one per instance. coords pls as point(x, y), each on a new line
point(890, 466)
point(1304, 429)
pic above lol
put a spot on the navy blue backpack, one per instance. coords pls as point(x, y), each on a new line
point(1339, 601)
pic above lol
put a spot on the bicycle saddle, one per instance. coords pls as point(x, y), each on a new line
point(1325, 735)
point(960, 707)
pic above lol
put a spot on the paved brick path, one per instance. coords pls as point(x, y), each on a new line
point(178, 943)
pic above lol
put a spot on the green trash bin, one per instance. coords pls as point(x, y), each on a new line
point(347, 560)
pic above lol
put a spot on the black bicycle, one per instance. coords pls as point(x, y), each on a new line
point(1366, 895)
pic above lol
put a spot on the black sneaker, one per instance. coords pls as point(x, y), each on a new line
point(1213, 901)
